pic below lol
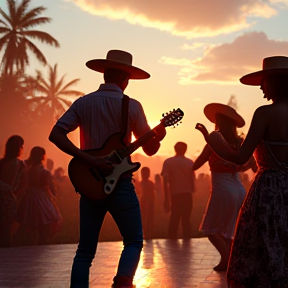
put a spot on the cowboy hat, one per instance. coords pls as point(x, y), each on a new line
point(212, 109)
point(270, 65)
point(118, 59)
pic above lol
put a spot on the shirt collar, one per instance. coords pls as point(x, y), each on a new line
point(110, 87)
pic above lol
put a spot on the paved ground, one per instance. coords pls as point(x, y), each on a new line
point(164, 264)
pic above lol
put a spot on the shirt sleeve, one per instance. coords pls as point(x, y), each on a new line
point(164, 171)
point(69, 121)
point(139, 125)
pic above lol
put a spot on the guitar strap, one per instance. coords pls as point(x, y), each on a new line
point(125, 104)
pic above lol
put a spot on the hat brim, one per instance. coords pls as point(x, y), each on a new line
point(212, 109)
point(100, 65)
point(256, 78)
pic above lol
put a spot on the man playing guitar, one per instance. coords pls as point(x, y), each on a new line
point(98, 115)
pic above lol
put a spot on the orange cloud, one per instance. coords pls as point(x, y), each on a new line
point(184, 18)
point(228, 62)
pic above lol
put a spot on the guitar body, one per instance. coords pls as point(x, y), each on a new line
point(92, 182)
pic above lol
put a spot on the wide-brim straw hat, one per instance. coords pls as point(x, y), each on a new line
point(212, 109)
point(270, 65)
point(118, 59)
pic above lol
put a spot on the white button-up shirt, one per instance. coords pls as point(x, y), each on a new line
point(178, 170)
point(98, 115)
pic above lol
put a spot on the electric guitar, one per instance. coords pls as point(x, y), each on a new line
point(93, 182)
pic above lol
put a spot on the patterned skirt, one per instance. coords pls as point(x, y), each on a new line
point(37, 209)
point(259, 256)
point(8, 208)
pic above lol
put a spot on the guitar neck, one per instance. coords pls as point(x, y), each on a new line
point(142, 140)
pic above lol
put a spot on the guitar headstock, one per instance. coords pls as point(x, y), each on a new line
point(172, 118)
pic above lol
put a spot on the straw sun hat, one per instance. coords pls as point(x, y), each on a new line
point(270, 65)
point(212, 109)
point(118, 59)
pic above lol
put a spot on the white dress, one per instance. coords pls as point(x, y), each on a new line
point(225, 200)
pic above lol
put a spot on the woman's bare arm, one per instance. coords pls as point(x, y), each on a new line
point(238, 156)
point(202, 158)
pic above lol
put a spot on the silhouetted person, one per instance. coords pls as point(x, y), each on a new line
point(227, 192)
point(147, 202)
point(179, 184)
point(38, 215)
point(259, 256)
point(50, 165)
point(99, 115)
point(12, 183)
point(158, 186)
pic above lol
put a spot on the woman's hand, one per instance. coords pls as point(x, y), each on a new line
point(202, 129)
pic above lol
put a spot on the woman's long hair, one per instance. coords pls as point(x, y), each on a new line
point(277, 85)
point(13, 147)
point(36, 156)
point(228, 128)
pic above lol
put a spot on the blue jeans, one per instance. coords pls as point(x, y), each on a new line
point(123, 205)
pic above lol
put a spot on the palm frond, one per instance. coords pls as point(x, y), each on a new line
point(42, 105)
point(67, 102)
point(32, 14)
point(8, 58)
point(52, 79)
point(57, 104)
point(59, 84)
point(19, 11)
point(36, 51)
point(44, 84)
point(34, 22)
point(73, 82)
point(12, 10)
point(4, 23)
point(22, 57)
point(42, 36)
point(4, 30)
point(5, 16)
point(71, 93)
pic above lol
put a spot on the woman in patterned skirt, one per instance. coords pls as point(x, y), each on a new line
point(12, 183)
point(259, 256)
point(38, 215)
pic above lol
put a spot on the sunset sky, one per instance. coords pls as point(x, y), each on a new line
point(195, 51)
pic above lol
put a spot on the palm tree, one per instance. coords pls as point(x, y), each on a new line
point(16, 32)
point(48, 99)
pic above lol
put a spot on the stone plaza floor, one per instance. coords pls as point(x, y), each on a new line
point(164, 264)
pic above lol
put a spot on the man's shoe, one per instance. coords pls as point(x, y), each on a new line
point(122, 282)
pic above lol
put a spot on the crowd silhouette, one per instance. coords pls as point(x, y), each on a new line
point(21, 218)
